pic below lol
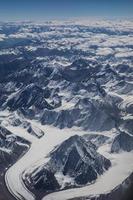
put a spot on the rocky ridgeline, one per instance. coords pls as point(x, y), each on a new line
point(74, 158)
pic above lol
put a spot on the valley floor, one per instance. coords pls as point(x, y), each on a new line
point(121, 169)
point(4, 192)
point(122, 164)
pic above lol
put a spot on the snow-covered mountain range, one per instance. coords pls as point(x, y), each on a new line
point(66, 109)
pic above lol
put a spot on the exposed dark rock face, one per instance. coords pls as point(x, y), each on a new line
point(66, 118)
point(75, 158)
point(48, 117)
point(11, 146)
point(127, 125)
point(32, 95)
point(9, 67)
point(67, 75)
point(43, 180)
point(84, 79)
point(122, 142)
point(39, 93)
point(61, 119)
point(96, 139)
point(78, 159)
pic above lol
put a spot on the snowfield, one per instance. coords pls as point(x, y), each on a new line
point(122, 164)
point(121, 169)
point(66, 74)
point(39, 149)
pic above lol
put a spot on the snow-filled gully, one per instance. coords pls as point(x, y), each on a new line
point(122, 165)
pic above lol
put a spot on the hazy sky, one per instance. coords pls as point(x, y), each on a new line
point(60, 9)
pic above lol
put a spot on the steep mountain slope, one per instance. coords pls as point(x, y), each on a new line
point(75, 160)
point(66, 76)
point(122, 141)
point(11, 149)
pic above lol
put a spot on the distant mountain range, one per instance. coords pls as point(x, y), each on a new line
point(75, 79)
